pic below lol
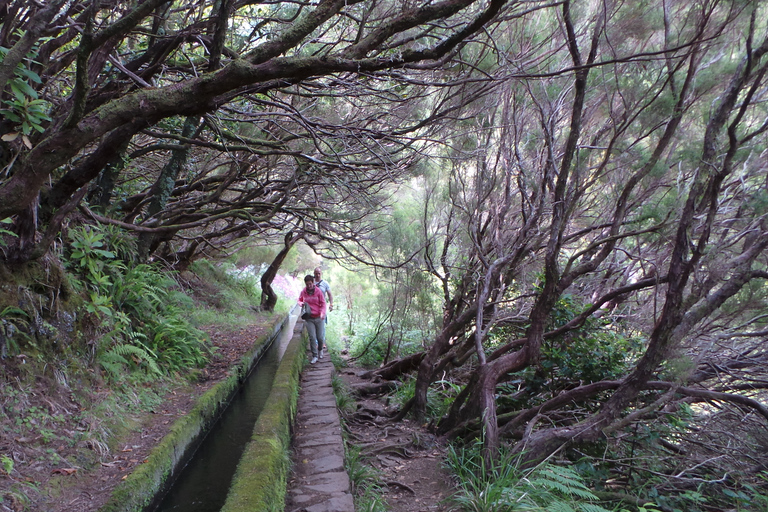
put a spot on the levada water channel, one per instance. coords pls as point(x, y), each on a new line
point(202, 485)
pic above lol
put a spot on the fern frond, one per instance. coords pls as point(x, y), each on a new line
point(591, 507)
point(139, 353)
point(13, 310)
point(559, 506)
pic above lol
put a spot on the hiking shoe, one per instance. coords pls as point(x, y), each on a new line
point(321, 352)
point(313, 361)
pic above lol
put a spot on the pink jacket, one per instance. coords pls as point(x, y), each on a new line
point(316, 302)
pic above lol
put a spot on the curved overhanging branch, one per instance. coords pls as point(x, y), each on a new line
point(262, 65)
point(175, 227)
point(587, 391)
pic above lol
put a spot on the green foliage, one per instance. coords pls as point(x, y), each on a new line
point(344, 399)
point(231, 294)
point(139, 306)
point(594, 352)
point(749, 497)
point(440, 396)
point(598, 350)
point(13, 321)
point(89, 257)
point(368, 349)
point(122, 244)
point(143, 290)
point(7, 464)
point(23, 106)
point(5, 231)
point(122, 355)
point(362, 476)
point(495, 486)
point(178, 344)
point(371, 501)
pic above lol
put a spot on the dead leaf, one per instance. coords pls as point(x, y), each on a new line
point(64, 471)
point(26, 141)
point(8, 137)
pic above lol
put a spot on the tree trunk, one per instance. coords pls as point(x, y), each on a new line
point(268, 295)
point(441, 346)
point(163, 187)
point(101, 194)
point(396, 368)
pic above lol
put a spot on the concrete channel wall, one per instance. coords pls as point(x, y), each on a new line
point(260, 481)
point(140, 488)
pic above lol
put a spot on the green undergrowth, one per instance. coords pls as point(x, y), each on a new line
point(92, 341)
point(261, 477)
point(364, 478)
point(485, 486)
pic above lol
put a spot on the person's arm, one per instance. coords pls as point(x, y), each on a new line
point(323, 305)
point(330, 299)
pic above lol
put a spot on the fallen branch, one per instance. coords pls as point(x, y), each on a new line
point(375, 389)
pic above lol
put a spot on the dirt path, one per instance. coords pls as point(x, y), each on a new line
point(407, 457)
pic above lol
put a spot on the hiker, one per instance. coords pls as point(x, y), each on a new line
point(314, 297)
point(323, 285)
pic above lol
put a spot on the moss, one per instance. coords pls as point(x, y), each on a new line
point(261, 476)
point(141, 486)
point(37, 298)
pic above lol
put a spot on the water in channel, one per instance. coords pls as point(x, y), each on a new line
point(203, 484)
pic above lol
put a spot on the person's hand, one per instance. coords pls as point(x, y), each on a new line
point(330, 307)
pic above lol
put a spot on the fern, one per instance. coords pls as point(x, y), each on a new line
point(563, 480)
point(113, 364)
point(136, 354)
point(13, 321)
point(500, 486)
point(591, 507)
point(4, 231)
point(559, 506)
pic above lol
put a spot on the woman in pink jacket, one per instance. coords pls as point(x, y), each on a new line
point(314, 297)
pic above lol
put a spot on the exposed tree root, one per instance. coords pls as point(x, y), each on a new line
point(393, 483)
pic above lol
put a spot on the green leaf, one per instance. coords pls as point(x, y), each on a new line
point(31, 75)
point(17, 91)
point(25, 88)
point(105, 254)
point(12, 116)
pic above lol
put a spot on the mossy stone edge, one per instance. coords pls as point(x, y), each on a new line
point(261, 478)
point(139, 489)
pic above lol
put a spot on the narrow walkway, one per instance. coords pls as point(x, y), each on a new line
point(319, 482)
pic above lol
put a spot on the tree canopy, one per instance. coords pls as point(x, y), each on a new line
point(284, 107)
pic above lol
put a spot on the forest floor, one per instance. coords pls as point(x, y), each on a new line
point(45, 474)
point(407, 460)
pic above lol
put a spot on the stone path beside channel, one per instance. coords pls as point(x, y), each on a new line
point(319, 482)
